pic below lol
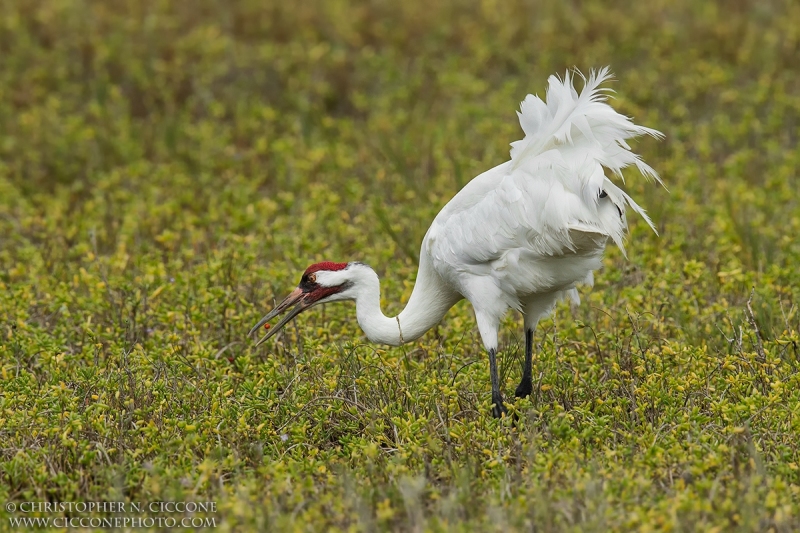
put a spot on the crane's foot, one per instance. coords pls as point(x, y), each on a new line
point(498, 409)
point(525, 387)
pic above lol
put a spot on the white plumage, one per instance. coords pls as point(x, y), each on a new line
point(519, 236)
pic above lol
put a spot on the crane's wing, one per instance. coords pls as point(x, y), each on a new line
point(546, 201)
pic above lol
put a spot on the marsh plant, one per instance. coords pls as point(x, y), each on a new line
point(167, 168)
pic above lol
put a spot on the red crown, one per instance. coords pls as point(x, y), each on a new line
point(326, 265)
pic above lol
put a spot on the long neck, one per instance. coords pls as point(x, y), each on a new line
point(429, 301)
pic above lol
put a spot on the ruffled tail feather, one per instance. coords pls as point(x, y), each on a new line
point(581, 133)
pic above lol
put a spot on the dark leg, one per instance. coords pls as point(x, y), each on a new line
point(525, 386)
point(498, 409)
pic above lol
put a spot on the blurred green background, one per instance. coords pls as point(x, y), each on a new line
point(167, 169)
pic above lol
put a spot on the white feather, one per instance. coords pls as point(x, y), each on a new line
point(536, 225)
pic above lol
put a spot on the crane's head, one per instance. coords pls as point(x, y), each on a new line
point(321, 283)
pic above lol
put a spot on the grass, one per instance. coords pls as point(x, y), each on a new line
point(167, 169)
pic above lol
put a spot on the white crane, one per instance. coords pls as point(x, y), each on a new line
point(519, 236)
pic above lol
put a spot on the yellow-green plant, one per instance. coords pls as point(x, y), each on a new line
point(167, 169)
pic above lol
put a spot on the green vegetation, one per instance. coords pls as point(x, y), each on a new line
point(167, 169)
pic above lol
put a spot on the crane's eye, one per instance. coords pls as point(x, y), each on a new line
point(312, 278)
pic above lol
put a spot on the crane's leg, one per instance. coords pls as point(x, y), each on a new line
point(535, 308)
point(498, 409)
point(525, 386)
point(488, 324)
